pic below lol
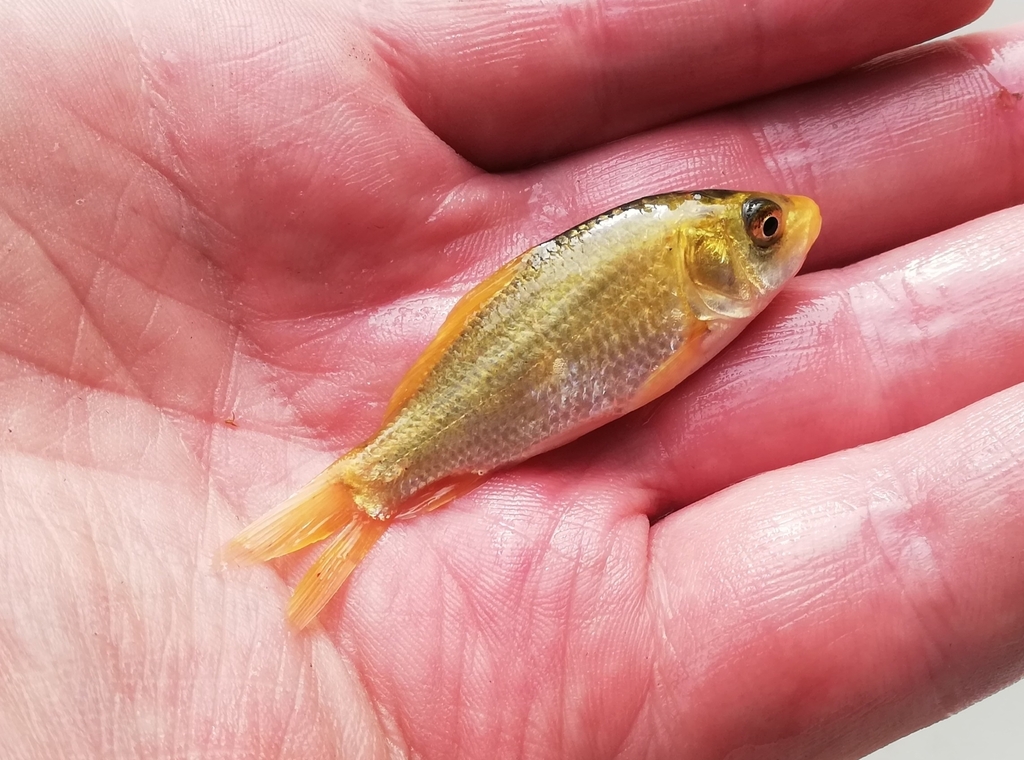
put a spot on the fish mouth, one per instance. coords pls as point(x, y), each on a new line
point(803, 223)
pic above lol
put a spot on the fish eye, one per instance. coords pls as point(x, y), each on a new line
point(764, 221)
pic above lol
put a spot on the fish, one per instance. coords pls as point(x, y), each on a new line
point(571, 334)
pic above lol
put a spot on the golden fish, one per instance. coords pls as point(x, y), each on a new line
point(573, 333)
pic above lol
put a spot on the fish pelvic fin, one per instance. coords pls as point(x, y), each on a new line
point(320, 509)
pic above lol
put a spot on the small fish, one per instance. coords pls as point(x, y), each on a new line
point(572, 334)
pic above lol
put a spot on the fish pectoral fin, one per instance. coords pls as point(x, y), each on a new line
point(690, 355)
point(332, 568)
point(452, 327)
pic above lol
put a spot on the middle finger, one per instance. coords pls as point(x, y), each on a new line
point(844, 358)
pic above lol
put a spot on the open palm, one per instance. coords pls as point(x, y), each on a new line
point(228, 231)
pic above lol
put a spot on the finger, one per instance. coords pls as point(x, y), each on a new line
point(840, 359)
point(892, 152)
point(875, 147)
point(826, 609)
point(874, 192)
point(508, 85)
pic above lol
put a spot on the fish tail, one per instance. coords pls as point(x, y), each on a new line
point(318, 510)
point(333, 567)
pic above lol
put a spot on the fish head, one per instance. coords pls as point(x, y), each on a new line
point(740, 248)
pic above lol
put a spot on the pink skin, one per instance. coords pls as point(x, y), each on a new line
point(229, 228)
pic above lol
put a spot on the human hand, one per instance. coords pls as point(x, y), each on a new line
point(228, 230)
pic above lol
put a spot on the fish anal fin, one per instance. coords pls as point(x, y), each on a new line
point(450, 330)
point(333, 567)
point(438, 493)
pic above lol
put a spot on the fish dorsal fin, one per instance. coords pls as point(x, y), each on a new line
point(452, 328)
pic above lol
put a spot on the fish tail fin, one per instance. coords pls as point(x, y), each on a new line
point(355, 538)
point(332, 568)
point(320, 508)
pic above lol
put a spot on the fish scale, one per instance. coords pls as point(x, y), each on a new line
point(493, 396)
point(573, 333)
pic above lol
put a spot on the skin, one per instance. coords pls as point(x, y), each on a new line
point(229, 228)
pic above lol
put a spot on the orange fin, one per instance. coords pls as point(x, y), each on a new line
point(686, 360)
point(453, 325)
point(356, 537)
point(313, 513)
point(332, 568)
point(439, 493)
point(321, 508)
